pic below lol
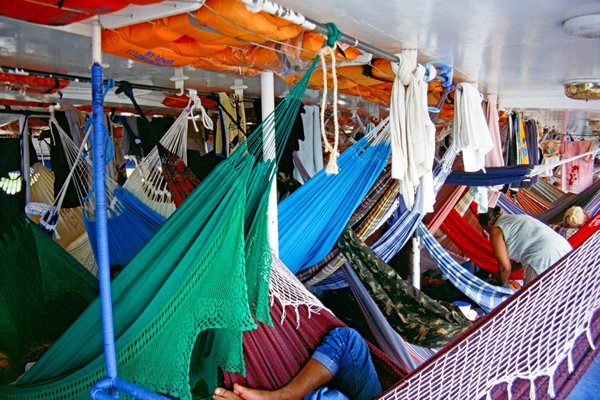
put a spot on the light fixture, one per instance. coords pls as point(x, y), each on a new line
point(583, 89)
point(587, 26)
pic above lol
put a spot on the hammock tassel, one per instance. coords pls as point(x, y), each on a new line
point(588, 335)
point(508, 390)
point(532, 394)
point(551, 390)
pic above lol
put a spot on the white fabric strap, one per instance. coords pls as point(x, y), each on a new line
point(540, 169)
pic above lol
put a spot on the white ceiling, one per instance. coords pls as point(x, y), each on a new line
point(515, 49)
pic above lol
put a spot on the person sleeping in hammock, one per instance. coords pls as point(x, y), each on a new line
point(527, 241)
point(340, 368)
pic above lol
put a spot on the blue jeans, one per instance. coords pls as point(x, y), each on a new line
point(346, 355)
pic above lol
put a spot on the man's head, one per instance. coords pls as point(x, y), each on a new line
point(487, 220)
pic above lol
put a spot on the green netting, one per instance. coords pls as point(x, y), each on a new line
point(42, 289)
point(206, 270)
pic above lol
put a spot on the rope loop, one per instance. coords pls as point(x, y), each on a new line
point(332, 167)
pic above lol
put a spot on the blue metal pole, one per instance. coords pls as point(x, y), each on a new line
point(100, 215)
point(130, 389)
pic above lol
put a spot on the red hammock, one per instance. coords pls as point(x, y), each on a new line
point(181, 181)
point(274, 354)
point(585, 231)
point(472, 243)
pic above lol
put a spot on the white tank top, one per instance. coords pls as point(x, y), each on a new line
point(531, 242)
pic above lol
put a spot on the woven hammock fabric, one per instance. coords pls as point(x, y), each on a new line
point(491, 177)
point(473, 244)
point(181, 181)
point(524, 341)
point(416, 317)
point(405, 354)
point(188, 279)
point(404, 225)
point(486, 295)
point(171, 286)
point(130, 226)
point(326, 203)
point(42, 289)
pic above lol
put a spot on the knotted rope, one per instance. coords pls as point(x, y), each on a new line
point(333, 35)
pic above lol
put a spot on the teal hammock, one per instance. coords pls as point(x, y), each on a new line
point(205, 270)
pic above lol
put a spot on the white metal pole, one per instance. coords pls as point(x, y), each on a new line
point(267, 97)
point(24, 128)
point(96, 41)
point(416, 262)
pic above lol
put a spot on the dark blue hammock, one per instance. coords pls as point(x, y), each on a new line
point(130, 225)
point(491, 177)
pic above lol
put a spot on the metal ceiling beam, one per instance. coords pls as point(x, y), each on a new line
point(299, 19)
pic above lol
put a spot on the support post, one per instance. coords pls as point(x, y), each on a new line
point(99, 166)
point(25, 159)
point(416, 262)
point(267, 96)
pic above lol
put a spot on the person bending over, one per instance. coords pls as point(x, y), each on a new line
point(523, 239)
point(340, 368)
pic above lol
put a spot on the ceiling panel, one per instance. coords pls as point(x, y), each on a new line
point(518, 51)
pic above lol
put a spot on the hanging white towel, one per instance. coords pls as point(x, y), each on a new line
point(471, 133)
point(412, 132)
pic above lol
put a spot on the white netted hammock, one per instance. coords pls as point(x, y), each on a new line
point(528, 337)
point(147, 182)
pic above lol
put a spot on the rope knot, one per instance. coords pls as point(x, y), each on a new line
point(333, 34)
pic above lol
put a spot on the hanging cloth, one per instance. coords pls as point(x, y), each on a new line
point(230, 128)
point(522, 149)
point(577, 175)
point(310, 153)
point(494, 157)
point(471, 132)
point(412, 132)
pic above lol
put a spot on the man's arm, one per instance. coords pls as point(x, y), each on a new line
point(501, 253)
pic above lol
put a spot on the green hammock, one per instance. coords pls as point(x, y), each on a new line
point(42, 289)
point(205, 270)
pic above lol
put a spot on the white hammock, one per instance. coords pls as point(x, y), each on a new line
point(147, 182)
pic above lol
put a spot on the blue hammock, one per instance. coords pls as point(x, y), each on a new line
point(509, 207)
point(486, 295)
point(404, 225)
point(130, 225)
point(491, 177)
point(312, 218)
